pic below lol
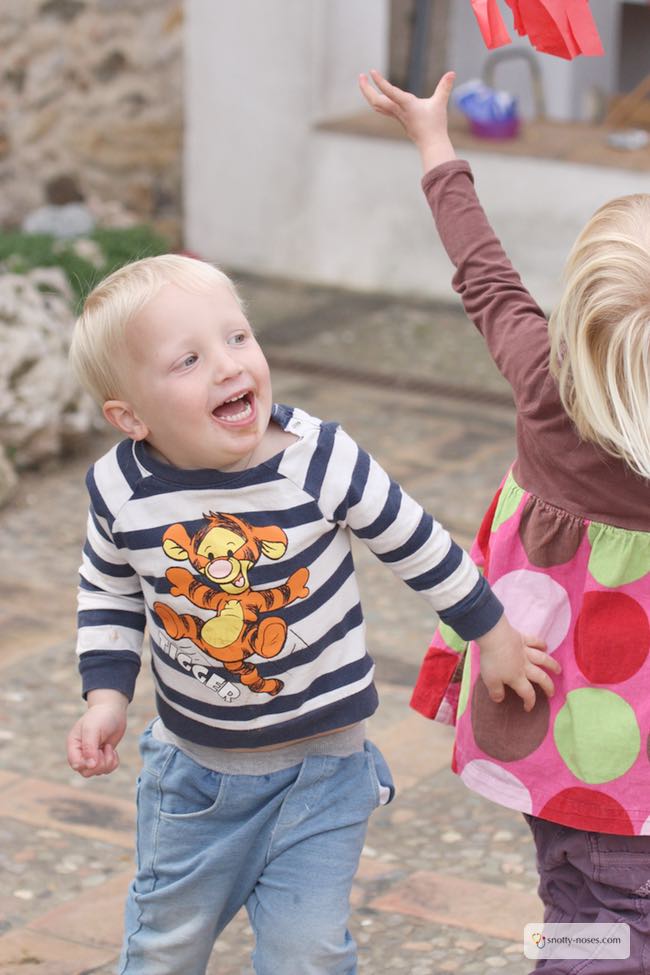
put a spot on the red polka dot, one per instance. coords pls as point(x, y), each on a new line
point(587, 809)
point(612, 637)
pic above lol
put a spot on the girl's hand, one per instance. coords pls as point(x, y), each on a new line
point(509, 659)
point(423, 119)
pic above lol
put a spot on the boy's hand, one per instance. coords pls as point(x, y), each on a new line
point(95, 736)
point(512, 660)
point(423, 119)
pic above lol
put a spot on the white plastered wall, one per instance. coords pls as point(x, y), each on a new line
point(269, 192)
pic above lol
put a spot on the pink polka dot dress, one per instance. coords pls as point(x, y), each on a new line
point(566, 548)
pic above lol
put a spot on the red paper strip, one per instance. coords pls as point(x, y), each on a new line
point(584, 29)
point(491, 23)
point(547, 25)
point(564, 28)
point(519, 23)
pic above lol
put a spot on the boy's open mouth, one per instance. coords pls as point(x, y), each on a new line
point(236, 409)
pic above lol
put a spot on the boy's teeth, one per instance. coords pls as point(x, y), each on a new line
point(235, 417)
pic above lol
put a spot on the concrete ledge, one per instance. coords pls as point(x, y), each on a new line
point(360, 219)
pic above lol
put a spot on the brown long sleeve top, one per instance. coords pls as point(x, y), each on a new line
point(553, 463)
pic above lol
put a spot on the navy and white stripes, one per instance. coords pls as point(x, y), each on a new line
point(306, 645)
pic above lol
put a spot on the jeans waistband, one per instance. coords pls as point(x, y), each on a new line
point(260, 762)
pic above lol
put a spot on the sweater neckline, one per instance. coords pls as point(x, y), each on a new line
point(206, 476)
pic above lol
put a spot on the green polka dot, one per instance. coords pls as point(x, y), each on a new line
point(465, 683)
point(509, 501)
point(597, 735)
point(618, 557)
point(451, 638)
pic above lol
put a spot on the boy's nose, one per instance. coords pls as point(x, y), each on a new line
point(226, 367)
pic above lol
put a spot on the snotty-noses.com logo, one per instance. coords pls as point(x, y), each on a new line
point(573, 940)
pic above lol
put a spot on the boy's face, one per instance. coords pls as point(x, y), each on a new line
point(197, 382)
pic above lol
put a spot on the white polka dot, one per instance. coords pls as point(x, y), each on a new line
point(495, 782)
point(536, 605)
point(645, 829)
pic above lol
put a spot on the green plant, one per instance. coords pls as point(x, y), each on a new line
point(21, 252)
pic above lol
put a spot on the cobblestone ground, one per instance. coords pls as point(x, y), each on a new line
point(447, 880)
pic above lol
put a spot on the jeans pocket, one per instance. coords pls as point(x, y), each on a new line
point(187, 789)
point(378, 766)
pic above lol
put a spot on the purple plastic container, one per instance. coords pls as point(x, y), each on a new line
point(491, 114)
point(507, 128)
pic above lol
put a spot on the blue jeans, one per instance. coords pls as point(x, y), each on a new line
point(285, 845)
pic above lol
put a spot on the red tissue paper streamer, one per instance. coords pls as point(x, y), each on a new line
point(564, 28)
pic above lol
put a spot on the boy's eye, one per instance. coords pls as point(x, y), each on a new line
point(189, 360)
point(237, 338)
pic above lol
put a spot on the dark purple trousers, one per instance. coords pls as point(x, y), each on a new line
point(596, 877)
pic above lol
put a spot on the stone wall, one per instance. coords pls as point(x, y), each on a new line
point(43, 412)
point(91, 108)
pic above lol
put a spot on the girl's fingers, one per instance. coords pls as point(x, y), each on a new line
point(535, 641)
point(392, 92)
point(543, 659)
point(445, 84)
point(525, 690)
point(401, 98)
point(538, 676)
point(394, 96)
point(380, 103)
point(367, 90)
point(496, 691)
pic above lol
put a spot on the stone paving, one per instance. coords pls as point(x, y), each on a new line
point(447, 880)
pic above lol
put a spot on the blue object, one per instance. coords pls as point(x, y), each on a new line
point(491, 113)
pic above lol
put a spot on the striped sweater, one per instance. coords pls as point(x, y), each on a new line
point(246, 584)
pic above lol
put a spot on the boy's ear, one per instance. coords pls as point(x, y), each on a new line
point(121, 415)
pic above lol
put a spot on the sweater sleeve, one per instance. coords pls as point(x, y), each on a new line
point(356, 492)
point(511, 322)
point(111, 618)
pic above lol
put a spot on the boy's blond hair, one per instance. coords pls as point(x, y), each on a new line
point(600, 331)
point(98, 341)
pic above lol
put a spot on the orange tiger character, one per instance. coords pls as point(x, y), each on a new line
point(223, 551)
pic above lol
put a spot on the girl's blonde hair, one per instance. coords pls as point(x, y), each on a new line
point(98, 341)
point(600, 331)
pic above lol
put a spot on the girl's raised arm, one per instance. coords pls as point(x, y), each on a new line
point(494, 297)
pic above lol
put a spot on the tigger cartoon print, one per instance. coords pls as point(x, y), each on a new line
point(223, 551)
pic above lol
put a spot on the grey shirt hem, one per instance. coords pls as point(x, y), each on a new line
point(263, 761)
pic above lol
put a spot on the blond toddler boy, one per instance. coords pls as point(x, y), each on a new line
point(222, 522)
